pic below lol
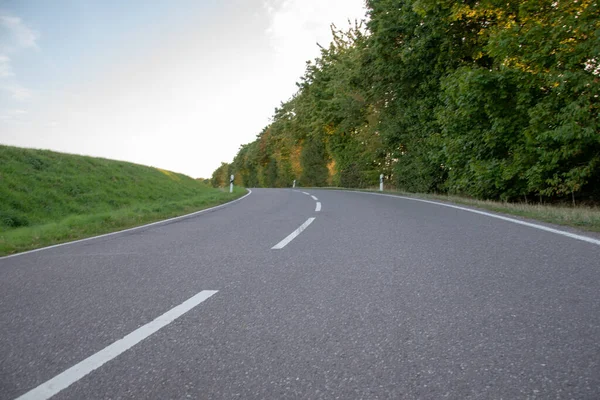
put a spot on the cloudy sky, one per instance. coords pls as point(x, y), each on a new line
point(178, 84)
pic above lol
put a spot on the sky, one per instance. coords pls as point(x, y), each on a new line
point(178, 85)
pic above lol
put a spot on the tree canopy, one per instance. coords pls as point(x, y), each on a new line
point(489, 99)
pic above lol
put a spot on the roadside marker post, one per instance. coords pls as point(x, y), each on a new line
point(294, 184)
point(381, 183)
point(231, 184)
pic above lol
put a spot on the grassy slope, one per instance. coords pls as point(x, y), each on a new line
point(582, 217)
point(48, 197)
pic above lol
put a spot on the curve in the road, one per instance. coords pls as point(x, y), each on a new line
point(301, 228)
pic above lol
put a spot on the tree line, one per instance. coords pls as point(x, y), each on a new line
point(489, 99)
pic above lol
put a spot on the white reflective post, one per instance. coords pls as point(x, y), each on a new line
point(294, 185)
point(231, 184)
point(381, 183)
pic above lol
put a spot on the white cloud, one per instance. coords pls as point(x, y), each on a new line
point(11, 114)
point(5, 68)
point(16, 91)
point(20, 35)
point(296, 26)
point(14, 36)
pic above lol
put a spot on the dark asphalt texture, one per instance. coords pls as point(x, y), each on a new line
point(379, 298)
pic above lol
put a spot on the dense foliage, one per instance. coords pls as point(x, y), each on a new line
point(490, 99)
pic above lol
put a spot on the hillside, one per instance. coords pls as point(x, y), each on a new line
point(48, 197)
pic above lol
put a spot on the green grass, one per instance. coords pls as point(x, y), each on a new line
point(582, 217)
point(48, 197)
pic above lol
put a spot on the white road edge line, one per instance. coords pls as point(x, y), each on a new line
point(308, 194)
point(293, 235)
point(314, 198)
point(130, 229)
point(516, 221)
point(318, 208)
point(78, 371)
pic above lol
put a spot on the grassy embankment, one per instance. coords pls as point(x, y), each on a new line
point(48, 197)
point(582, 217)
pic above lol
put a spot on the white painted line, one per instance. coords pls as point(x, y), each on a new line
point(130, 229)
point(78, 371)
point(318, 208)
point(515, 221)
point(314, 198)
point(293, 235)
point(308, 194)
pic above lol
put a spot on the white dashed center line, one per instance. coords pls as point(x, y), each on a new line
point(293, 235)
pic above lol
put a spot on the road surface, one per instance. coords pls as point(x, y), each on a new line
point(321, 295)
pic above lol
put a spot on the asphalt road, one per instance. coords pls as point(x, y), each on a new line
point(378, 297)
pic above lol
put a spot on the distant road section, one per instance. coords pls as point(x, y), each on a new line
point(375, 297)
